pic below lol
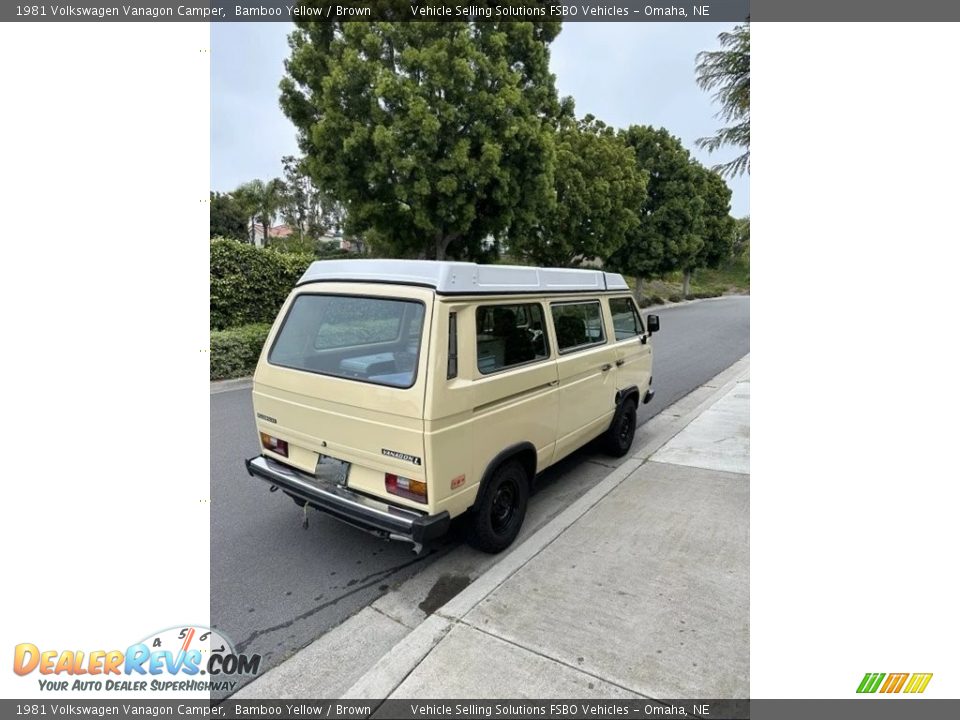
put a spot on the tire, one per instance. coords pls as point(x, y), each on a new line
point(619, 436)
point(498, 513)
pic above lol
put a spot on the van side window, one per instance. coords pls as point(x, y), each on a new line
point(626, 319)
point(509, 335)
point(577, 324)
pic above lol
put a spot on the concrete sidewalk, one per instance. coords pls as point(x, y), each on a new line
point(640, 589)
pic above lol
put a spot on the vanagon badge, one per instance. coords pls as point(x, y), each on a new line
point(401, 456)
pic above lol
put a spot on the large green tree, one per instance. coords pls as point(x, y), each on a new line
point(599, 189)
point(741, 240)
point(227, 217)
point(727, 73)
point(717, 227)
point(669, 231)
point(435, 135)
point(300, 201)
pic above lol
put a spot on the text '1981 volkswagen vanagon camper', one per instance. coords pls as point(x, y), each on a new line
point(396, 395)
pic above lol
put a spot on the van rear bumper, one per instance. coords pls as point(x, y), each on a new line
point(367, 513)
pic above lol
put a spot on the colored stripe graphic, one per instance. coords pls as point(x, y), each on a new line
point(894, 682)
point(870, 682)
point(915, 683)
point(918, 683)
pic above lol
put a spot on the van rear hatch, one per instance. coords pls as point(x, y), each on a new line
point(341, 382)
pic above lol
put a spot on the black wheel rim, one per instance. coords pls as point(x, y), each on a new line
point(504, 506)
point(626, 429)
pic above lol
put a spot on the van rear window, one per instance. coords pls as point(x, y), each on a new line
point(374, 340)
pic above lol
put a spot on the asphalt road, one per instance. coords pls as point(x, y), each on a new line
point(275, 587)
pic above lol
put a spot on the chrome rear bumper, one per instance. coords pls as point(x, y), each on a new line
point(376, 516)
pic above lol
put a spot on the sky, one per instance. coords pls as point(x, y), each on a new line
point(623, 73)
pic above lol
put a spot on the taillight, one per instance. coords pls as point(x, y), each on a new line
point(273, 444)
point(405, 487)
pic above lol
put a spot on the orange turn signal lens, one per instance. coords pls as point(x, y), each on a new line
point(405, 487)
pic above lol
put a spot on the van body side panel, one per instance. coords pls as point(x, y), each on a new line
point(586, 398)
point(470, 419)
point(637, 364)
point(378, 429)
point(448, 413)
point(634, 359)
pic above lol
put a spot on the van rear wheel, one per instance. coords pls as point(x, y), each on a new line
point(498, 514)
point(619, 436)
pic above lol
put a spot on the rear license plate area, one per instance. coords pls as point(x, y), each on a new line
point(331, 470)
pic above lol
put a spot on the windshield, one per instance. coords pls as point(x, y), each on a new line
point(374, 340)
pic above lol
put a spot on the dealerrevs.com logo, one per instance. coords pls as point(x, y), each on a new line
point(181, 659)
point(894, 682)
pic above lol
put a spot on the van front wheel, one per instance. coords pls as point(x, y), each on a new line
point(619, 436)
point(499, 511)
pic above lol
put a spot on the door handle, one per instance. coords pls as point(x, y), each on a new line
point(620, 363)
point(606, 367)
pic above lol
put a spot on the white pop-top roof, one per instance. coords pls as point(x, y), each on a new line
point(463, 277)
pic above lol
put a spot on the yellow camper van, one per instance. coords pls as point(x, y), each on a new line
point(396, 395)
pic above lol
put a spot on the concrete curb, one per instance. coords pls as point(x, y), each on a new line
point(682, 303)
point(219, 386)
point(393, 668)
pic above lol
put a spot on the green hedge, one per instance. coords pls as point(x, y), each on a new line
point(234, 352)
point(249, 284)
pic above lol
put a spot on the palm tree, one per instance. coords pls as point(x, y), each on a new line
point(260, 201)
point(728, 72)
point(271, 198)
point(247, 196)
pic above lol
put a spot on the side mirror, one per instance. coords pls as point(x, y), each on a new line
point(653, 323)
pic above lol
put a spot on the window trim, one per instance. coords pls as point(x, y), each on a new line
point(587, 346)
point(286, 316)
point(636, 312)
point(453, 358)
point(476, 334)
